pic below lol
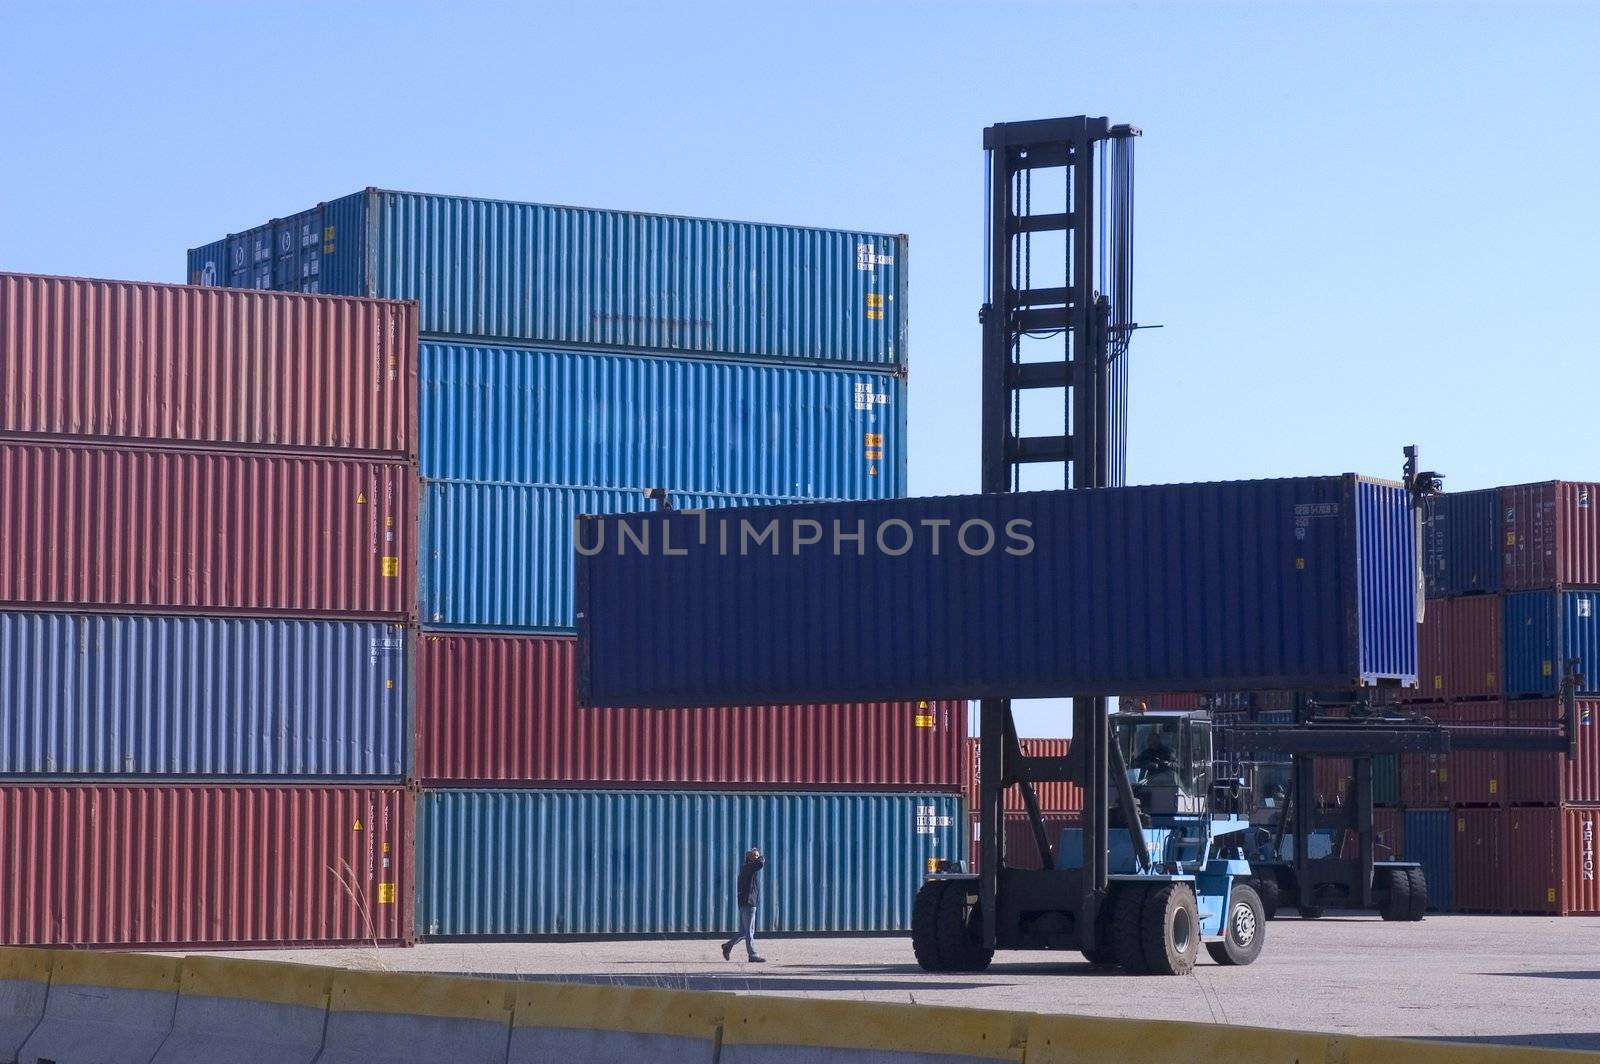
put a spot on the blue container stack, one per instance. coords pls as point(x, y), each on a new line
point(571, 359)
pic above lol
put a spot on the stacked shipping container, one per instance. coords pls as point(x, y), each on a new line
point(1061, 805)
point(571, 359)
point(208, 509)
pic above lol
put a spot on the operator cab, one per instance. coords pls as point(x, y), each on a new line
point(1168, 758)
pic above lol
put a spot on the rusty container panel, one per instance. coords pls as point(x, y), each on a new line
point(1021, 849)
point(1169, 700)
point(502, 709)
point(1550, 778)
point(1477, 777)
point(1053, 797)
point(1388, 830)
point(1459, 649)
point(108, 528)
point(1580, 891)
point(209, 367)
point(1533, 861)
point(1332, 776)
point(190, 866)
point(1424, 779)
point(1478, 857)
point(1550, 535)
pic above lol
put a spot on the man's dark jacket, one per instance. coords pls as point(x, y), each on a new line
point(750, 882)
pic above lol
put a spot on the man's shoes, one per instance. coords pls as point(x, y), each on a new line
point(727, 951)
point(758, 960)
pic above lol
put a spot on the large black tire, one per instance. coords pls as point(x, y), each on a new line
point(1127, 926)
point(1267, 890)
point(1244, 928)
point(1311, 912)
point(1419, 894)
point(958, 945)
point(1104, 954)
point(1397, 902)
point(1171, 929)
point(925, 925)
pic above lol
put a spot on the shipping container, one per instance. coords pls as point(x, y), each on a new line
point(1274, 584)
point(165, 364)
point(1478, 860)
point(1021, 848)
point(587, 862)
point(1055, 797)
point(541, 274)
point(1551, 778)
point(1177, 701)
point(1543, 629)
point(1332, 777)
point(500, 556)
point(1477, 777)
point(103, 527)
point(1550, 535)
point(1461, 543)
point(502, 709)
point(1424, 779)
point(603, 420)
point(1428, 835)
point(180, 867)
point(119, 695)
point(1549, 863)
point(1459, 648)
point(1388, 835)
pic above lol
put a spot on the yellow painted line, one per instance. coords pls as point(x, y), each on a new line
point(270, 981)
point(1095, 1039)
point(981, 1033)
point(407, 993)
point(639, 1010)
point(32, 965)
point(125, 971)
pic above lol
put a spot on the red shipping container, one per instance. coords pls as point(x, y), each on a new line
point(1550, 535)
point(503, 709)
point(1477, 777)
point(186, 866)
point(1332, 776)
point(1550, 778)
point(1022, 850)
point(1388, 829)
point(1550, 860)
point(211, 367)
point(1478, 858)
point(1166, 702)
point(1460, 644)
point(108, 528)
point(1053, 797)
point(1424, 780)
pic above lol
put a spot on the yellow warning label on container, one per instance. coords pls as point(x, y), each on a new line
point(875, 299)
point(327, 232)
point(1547, 668)
point(923, 720)
point(922, 705)
point(385, 893)
point(875, 456)
point(1550, 895)
point(1438, 682)
point(357, 826)
point(1494, 786)
point(872, 439)
point(872, 471)
point(1444, 775)
point(1489, 676)
point(1461, 823)
point(933, 864)
point(389, 684)
point(1511, 539)
point(874, 315)
point(1299, 563)
point(327, 249)
point(391, 566)
point(361, 498)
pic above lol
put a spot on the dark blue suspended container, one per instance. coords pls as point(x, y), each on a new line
point(1543, 629)
point(1461, 543)
point(523, 862)
point(1428, 835)
point(157, 696)
point(1309, 583)
point(531, 273)
point(605, 420)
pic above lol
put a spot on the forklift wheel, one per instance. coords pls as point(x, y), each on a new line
point(958, 944)
point(1244, 929)
point(1267, 889)
point(1170, 928)
point(1311, 912)
point(1419, 894)
point(1397, 902)
point(924, 926)
point(1127, 914)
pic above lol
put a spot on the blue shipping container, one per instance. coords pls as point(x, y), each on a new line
point(1303, 583)
point(123, 695)
point(540, 274)
point(1461, 543)
point(592, 419)
point(1543, 629)
point(518, 862)
point(1427, 837)
point(499, 556)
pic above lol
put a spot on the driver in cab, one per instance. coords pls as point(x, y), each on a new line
point(1156, 756)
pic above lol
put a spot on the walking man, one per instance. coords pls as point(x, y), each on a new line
point(749, 899)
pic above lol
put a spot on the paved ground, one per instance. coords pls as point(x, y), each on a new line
point(1528, 980)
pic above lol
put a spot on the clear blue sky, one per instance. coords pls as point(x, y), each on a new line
point(1360, 225)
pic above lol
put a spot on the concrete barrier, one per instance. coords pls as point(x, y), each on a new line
point(1086, 1039)
point(395, 1018)
point(105, 1008)
point(247, 1012)
point(765, 1030)
point(572, 1023)
point(24, 985)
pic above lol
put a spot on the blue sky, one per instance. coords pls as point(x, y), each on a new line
point(1360, 225)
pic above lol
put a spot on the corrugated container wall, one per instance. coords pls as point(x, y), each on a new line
point(1478, 857)
point(1388, 835)
point(525, 534)
point(539, 274)
point(106, 694)
point(497, 709)
point(1545, 628)
point(197, 866)
point(1477, 777)
point(1460, 644)
point(599, 420)
point(165, 364)
point(651, 862)
point(1550, 778)
point(1461, 543)
point(1054, 797)
point(1425, 779)
point(1021, 849)
point(1428, 834)
point(1550, 535)
point(1272, 584)
point(204, 532)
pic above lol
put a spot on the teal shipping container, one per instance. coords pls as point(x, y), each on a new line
point(521, 862)
point(532, 273)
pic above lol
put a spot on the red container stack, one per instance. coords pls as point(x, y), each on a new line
point(1054, 798)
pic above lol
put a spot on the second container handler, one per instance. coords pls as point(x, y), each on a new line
point(208, 505)
point(571, 359)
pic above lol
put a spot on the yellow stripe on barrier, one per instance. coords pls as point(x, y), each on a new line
point(32, 965)
point(276, 982)
point(407, 993)
point(982, 1033)
point(125, 971)
point(639, 1010)
point(1094, 1039)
